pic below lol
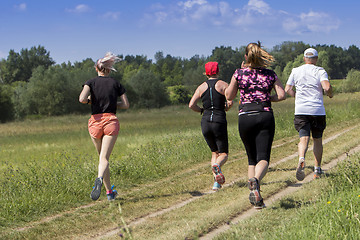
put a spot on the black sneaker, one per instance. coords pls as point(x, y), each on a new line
point(260, 205)
point(95, 194)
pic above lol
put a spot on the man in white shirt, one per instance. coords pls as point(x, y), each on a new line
point(309, 81)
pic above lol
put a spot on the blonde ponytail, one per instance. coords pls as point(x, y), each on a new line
point(106, 63)
point(257, 57)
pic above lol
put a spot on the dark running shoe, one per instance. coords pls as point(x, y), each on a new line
point(254, 196)
point(219, 176)
point(318, 173)
point(260, 205)
point(95, 194)
point(300, 174)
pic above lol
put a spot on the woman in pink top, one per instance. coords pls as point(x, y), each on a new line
point(256, 120)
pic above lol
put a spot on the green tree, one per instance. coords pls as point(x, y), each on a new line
point(287, 52)
point(179, 94)
point(149, 91)
point(19, 66)
point(228, 60)
point(352, 81)
point(6, 104)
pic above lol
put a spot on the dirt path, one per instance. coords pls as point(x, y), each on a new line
point(274, 198)
point(248, 213)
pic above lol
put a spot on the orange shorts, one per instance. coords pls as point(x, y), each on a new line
point(103, 124)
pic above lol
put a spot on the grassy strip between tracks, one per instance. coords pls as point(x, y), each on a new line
point(41, 156)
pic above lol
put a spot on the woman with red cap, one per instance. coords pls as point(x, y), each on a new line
point(213, 122)
point(256, 119)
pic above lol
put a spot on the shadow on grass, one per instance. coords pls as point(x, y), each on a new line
point(157, 196)
point(287, 169)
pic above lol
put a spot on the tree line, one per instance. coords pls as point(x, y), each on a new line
point(31, 83)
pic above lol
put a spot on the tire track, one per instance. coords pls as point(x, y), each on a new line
point(274, 198)
point(138, 221)
point(248, 213)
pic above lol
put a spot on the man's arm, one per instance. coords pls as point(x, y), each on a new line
point(327, 88)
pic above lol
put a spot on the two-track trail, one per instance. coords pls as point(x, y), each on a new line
point(186, 213)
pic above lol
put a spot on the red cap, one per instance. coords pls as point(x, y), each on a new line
point(211, 68)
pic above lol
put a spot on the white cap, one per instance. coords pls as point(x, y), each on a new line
point(310, 53)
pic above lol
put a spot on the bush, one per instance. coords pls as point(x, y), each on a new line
point(6, 105)
point(179, 94)
point(352, 82)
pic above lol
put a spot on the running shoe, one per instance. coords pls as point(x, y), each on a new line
point(260, 205)
point(300, 173)
point(254, 196)
point(216, 186)
point(219, 176)
point(317, 173)
point(95, 194)
point(111, 196)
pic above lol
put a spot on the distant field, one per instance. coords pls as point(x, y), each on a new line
point(48, 165)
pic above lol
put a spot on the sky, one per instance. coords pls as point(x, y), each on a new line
point(73, 30)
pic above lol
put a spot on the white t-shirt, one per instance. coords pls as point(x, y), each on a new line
point(309, 93)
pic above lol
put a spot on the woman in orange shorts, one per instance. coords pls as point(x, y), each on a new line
point(102, 93)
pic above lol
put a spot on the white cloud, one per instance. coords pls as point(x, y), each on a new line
point(255, 14)
point(111, 15)
point(81, 8)
point(20, 7)
point(258, 6)
point(191, 3)
point(311, 22)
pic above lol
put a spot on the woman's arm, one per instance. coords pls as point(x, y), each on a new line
point(289, 89)
point(85, 95)
point(280, 92)
point(123, 103)
point(193, 102)
point(231, 91)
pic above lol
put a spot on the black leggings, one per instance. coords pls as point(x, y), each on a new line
point(216, 136)
point(257, 133)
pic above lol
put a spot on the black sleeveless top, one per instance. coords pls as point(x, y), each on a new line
point(213, 104)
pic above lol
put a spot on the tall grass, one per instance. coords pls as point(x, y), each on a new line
point(48, 165)
point(326, 209)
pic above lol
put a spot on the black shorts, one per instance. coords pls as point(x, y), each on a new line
point(305, 124)
point(257, 133)
point(216, 136)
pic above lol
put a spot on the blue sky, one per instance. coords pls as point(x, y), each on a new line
point(74, 30)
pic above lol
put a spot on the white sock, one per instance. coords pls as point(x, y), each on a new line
point(301, 158)
point(317, 169)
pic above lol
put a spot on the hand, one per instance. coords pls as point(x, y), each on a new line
point(228, 105)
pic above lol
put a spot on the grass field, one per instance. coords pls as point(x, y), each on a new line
point(161, 159)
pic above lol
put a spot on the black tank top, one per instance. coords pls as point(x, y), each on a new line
point(213, 103)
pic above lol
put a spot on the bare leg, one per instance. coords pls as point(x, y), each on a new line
point(259, 170)
point(221, 159)
point(104, 147)
point(318, 151)
point(303, 146)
